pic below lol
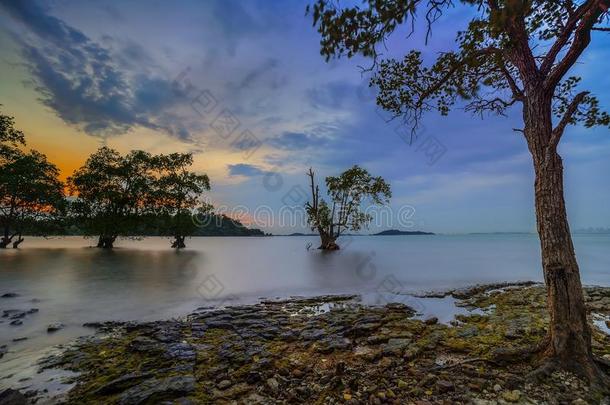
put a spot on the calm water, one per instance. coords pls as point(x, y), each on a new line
point(71, 283)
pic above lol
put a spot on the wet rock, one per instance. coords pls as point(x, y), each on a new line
point(334, 343)
point(312, 334)
point(181, 351)
point(121, 383)
point(3, 350)
point(144, 344)
point(9, 295)
point(395, 346)
point(363, 329)
point(154, 390)
point(12, 397)
point(54, 327)
point(511, 396)
point(468, 332)
point(32, 311)
point(273, 385)
point(433, 320)
point(17, 322)
point(20, 339)
point(224, 384)
point(13, 314)
point(444, 386)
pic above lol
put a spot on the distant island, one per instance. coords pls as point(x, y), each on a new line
point(397, 232)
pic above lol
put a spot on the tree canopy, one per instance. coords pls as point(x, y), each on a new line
point(30, 189)
point(347, 194)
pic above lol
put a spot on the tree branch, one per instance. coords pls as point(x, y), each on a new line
point(582, 37)
point(565, 120)
point(563, 38)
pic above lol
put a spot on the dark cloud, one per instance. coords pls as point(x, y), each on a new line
point(243, 169)
point(297, 140)
point(81, 81)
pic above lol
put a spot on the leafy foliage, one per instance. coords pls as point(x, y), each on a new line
point(494, 66)
point(347, 194)
point(30, 189)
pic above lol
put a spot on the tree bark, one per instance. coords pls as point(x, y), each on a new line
point(6, 238)
point(569, 335)
point(18, 242)
point(328, 242)
point(178, 242)
point(106, 242)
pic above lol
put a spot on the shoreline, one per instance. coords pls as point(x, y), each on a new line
point(327, 349)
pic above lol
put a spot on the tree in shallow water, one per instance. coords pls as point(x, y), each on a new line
point(347, 193)
point(176, 195)
point(30, 189)
point(112, 193)
point(512, 54)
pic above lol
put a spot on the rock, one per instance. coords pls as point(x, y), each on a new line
point(444, 386)
point(273, 384)
point(12, 397)
point(333, 343)
point(224, 384)
point(17, 322)
point(121, 383)
point(402, 384)
point(54, 327)
point(152, 390)
point(32, 311)
point(10, 295)
point(497, 388)
point(468, 332)
point(347, 396)
point(3, 350)
point(181, 351)
point(395, 346)
point(431, 320)
point(312, 334)
point(20, 339)
point(511, 396)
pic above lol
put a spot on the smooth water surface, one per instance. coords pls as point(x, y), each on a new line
point(72, 283)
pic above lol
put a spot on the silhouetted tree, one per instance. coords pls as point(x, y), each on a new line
point(177, 193)
point(112, 193)
point(513, 53)
point(30, 189)
point(347, 193)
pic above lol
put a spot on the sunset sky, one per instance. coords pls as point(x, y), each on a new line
point(161, 76)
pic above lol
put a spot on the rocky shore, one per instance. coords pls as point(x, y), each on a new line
point(332, 350)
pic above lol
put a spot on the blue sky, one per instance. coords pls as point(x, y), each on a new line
point(156, 75)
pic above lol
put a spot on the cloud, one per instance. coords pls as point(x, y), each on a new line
point(331, 95)
point(297, 140)
point(243, 169)
point(86, 86)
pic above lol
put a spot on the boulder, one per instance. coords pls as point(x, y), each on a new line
point(54, 327)
point(12, 397)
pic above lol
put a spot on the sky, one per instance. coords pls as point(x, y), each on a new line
point(242, 85)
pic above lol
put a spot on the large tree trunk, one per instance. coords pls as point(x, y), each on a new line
point(106, 242)
point(569, 335)
point(328, 242)
point(6, 238)
point(18, 242)
point(178, 242)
